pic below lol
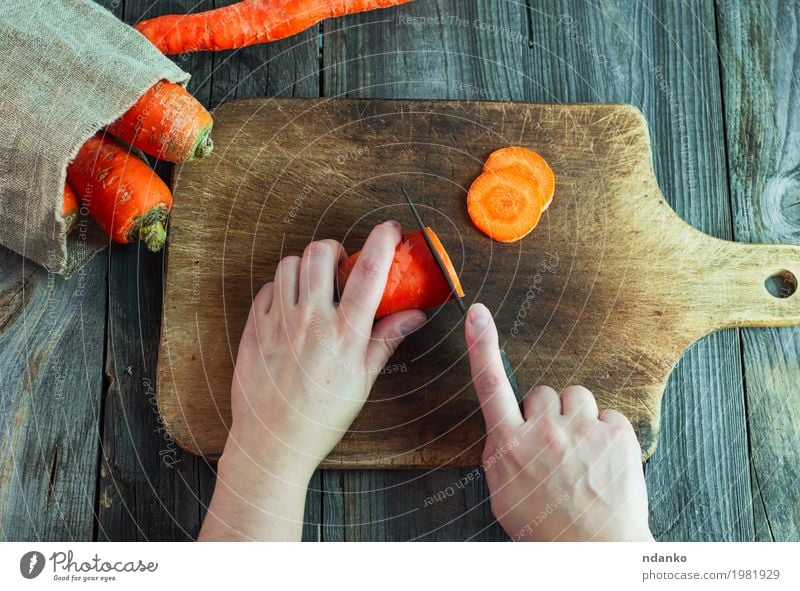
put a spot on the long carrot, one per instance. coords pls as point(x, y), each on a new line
point(167, 122)
point(524, 162)
point(247, 23)
point(70, 209)
point(415, 281)
point(123, 195)
point(505, 205)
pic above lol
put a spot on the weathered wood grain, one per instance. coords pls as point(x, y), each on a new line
point(149, 488)
point(333, 168)
point(760, 73)
point(420, 50)
point(51, 346)
point(660, 56)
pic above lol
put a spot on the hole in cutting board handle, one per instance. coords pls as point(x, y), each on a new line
point(782, 284)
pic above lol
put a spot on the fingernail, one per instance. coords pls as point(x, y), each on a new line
point(391, 224)
point(409, 326)
point(479, 315)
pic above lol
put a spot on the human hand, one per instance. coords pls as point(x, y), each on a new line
point(564, 471)
point(304, 369)
point(306, 364)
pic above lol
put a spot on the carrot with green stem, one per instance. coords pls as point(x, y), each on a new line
point(167, 122)
point(122, 193)
point(247, 23)
point(415, 280)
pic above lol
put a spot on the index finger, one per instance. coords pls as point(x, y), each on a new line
point(367, 282)
point(498, 403)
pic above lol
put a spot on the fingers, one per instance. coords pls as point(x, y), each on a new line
point(287, 281)
point(541, 401)
point(498, 403)
point(387, 335)
point(318, 270)
point(367, 281)
point(615, 418)
point(263, 300)
point(578, 402)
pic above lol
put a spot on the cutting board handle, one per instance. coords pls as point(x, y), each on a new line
point(754, 285)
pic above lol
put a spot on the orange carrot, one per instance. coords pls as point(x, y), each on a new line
point(123, 195)
point(415, 281)
point(247, 23)
point(70, 208)
point(504, 205)
point(525, 163)
point(167, 122)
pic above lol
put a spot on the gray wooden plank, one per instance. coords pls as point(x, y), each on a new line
point(51, 346)
point(150, 489)
point(435, 50)
point(661, 57)
point(758, 44)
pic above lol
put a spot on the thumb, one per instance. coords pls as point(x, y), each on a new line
point(388, 333)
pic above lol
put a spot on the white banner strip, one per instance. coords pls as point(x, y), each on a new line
point(397, 566)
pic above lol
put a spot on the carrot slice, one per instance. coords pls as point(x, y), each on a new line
point(415, 280)
point(505, 206)
point(522, 161)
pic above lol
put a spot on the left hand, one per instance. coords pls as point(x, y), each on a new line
point(304, 369)
point(306, 364)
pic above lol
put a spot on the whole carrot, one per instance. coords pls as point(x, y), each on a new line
point(122, 193)
point(70, 209)
point(167, 122)
point(247, 23)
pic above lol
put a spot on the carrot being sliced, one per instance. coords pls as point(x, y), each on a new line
point(504, 205)
point(524, 162)
point(415, 280)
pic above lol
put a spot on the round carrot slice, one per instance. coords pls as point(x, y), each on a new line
point(505, 206)
point(523, 161)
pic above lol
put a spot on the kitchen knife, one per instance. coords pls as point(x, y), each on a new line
point(506, 363)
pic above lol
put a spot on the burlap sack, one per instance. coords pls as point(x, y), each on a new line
point(69, 67)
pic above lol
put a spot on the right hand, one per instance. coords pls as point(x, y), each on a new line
point(563, 471)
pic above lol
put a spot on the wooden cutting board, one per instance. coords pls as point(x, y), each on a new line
point(608, 291)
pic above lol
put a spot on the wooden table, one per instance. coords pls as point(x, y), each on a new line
point(83, 455)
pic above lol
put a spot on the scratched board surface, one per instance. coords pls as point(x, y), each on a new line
point(608, 291)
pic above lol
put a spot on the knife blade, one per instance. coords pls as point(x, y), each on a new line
point(503, 356)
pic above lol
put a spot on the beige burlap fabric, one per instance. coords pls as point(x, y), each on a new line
point(69, 67)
